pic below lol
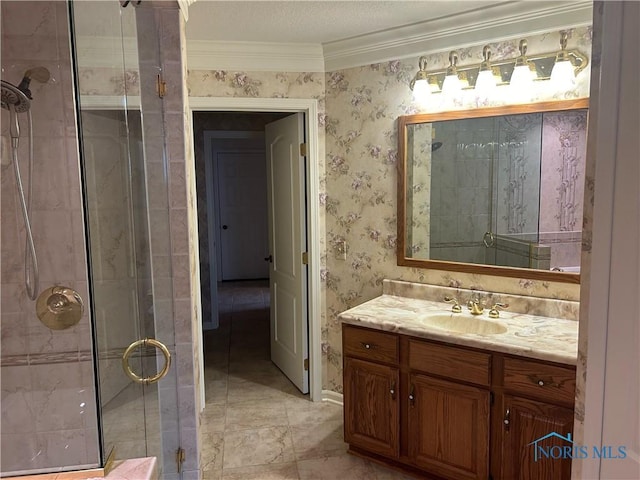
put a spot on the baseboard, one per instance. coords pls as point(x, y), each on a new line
point(332, 397)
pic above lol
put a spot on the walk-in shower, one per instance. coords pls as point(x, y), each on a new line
point(83, 129)
point(18, 100)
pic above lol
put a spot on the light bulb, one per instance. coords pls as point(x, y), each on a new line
point(563, 77)
point(451, 85)
point(521, 84)
point(421, 89)
point(485, 83)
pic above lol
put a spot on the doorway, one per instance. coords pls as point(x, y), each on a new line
point(280, 108)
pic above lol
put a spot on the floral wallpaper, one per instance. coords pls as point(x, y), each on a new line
point(362, 105)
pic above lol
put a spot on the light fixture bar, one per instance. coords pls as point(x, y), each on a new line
point(542, 62)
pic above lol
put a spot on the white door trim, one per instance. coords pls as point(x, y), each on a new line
point(310, 107)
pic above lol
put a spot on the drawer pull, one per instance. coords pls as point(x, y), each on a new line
point(507, 419)
point(545, 383)
point(368, 346)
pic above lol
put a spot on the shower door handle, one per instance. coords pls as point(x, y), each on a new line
point(146, 343)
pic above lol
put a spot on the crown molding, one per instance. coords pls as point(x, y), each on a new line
point(255, 56)
point(497, 23)
point(503, 21)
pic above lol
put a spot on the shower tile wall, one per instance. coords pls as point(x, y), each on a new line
point(48, 399)
point(461, 194)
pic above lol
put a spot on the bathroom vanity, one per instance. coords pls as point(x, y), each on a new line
point(459, 396)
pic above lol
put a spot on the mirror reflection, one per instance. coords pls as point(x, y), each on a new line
point(501, 189)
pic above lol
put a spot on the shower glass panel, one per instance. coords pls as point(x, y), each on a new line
point(49, 420)
point(484, 190)
point(127, 210)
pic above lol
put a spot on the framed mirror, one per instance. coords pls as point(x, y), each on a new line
point(495, 191)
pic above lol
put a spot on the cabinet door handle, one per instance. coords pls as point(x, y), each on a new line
point(545, 383)
point(392, 390)
point(507, 419)
point(368, 346)
point(412, 398)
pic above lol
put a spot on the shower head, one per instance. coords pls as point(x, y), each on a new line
point(12, 95)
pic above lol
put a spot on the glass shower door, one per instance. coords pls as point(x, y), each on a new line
point(127, 218)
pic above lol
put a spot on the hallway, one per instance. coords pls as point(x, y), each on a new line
point(256, 424)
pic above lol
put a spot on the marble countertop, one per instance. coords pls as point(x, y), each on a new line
point(531, 336)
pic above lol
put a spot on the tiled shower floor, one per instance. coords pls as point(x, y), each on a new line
point(256, 424)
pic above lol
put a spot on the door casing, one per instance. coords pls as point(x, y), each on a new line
point(309, 106)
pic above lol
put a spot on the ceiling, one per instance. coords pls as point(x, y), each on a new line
point(325, 35)
point(318, 22)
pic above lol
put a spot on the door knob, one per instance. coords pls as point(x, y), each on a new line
point(224, 227)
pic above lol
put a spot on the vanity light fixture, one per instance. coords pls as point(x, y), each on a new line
point(563, 75)
point(560, 66)
point(451, 84)
point(486, 82)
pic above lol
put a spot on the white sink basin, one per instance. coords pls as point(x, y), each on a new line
point(463, 323)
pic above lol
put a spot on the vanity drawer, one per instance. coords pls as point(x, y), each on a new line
point(451, 362)
point(548, 382)
point(370, 344)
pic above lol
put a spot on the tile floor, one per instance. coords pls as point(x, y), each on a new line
point(256, 424)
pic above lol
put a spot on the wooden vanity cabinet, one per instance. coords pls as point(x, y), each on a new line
point(537, 400)
point(448, 410)
point(453, 412)
point(371, 383)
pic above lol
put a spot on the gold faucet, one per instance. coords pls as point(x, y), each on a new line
point(494, 312)
point(456, 305)
point(475, 306)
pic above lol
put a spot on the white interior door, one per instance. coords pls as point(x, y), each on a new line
point(287, 242)
point(242, 194)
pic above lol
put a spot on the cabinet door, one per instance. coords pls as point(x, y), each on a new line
point(449, 428)
point(371, 406)
point(537, 442)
